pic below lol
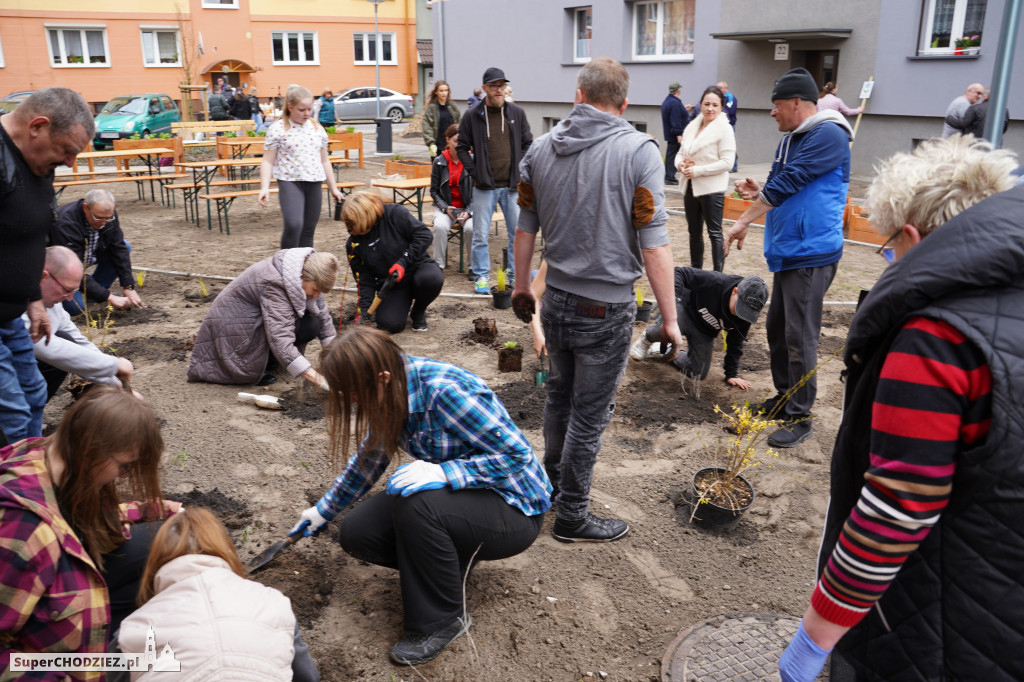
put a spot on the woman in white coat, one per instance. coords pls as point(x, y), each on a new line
point(704, 159)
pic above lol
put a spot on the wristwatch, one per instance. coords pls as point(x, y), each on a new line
point(130, 286)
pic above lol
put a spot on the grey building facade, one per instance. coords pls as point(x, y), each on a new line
point(907, 46)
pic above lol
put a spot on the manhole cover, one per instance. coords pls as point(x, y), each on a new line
point(730, 648)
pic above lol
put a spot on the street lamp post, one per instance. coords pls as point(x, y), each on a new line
point(376, 50)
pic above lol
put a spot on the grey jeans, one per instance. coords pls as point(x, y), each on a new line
point(588, 358)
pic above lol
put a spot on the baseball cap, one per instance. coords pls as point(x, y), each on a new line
point(751, 295)
point(493, 75)
point(672, 87)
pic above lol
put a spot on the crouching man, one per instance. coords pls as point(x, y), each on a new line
point(708, 302)
point(69, 351)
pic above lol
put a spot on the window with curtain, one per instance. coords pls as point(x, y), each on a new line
point(295, 47)
point(365, 48)
point(221, 4)
point(160, 47)
point(952, 24)
point(78, 46)
point(663, 28)
point(583, 20)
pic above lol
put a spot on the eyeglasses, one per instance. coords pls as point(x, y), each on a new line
point(887, 252)
point(122, 468)
point(101, 220)
point(66, 290)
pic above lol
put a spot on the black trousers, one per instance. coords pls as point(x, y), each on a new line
point(416, 291)
point(122, 571)
point(700, 210)
point(671, 149)
point(429, 537)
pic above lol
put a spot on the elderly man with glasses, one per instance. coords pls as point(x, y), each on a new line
point(919, 567)
point(91, 229)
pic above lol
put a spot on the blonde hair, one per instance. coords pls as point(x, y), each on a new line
point(361, 211)
point(353, 365)
point(936, 181)
point(193, 530)
point(321, 268)
point(295, 94)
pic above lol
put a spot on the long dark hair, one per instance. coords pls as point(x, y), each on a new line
point(104, 422)
point(432, 97)
point(353, 365)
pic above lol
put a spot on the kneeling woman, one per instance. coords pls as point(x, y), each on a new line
point(269, 312)
point(474, 491)
point(386, 241)
point(71, 555)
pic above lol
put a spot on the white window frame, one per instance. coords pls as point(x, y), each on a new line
point(287, 35)
point(576, 15)
point(156, 45)
point(659, 54)
point(216, 4)
point(82, 28)
point(956, 28)
point(367, 38)
point(2, 62)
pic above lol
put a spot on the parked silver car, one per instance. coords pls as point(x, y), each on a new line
point(361, 103)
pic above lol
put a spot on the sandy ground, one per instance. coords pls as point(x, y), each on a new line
point(556, 612)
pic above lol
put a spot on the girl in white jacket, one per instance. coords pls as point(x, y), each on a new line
point(195, 600)
point(705, 157)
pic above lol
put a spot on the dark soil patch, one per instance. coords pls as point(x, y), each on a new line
point(830, 345)
point(129, 316)
point(451, 311)
point(156, 349)
point(472, 337)
point(199, 298)
point(524, 402)
point(304, 578)
point(234, 514)
point(837, 318)
point(754, 359)
point(649, 403)
point(304, 402)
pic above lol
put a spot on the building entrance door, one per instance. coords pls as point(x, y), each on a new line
point(823, 65)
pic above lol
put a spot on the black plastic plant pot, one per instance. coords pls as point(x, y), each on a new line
point(502, 299)
point(710, 515)
point(643, 312)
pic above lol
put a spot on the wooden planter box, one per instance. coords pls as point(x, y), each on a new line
point(346, 142)
point(168, 143)
point(410, 168)
point(734, 208)
point(860, 229)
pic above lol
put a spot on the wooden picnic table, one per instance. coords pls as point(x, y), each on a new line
point(407, 192)
point(149, 156)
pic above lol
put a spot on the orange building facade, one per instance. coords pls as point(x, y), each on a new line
point(101, 49)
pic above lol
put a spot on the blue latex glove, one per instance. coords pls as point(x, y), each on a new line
point(415, 477)
point(803, 659)
point(310, 522)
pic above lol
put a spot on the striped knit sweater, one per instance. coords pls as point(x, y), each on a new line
point(933, 400)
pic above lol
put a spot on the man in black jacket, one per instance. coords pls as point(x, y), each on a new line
point(709, 302)
point(498, 135)
point(91, 229)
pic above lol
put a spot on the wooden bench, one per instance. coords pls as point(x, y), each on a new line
point(186, 130)
point(190, 192)
point(130, 176)
point(225, 199)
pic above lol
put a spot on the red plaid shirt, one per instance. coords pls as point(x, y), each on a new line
point(52, 597)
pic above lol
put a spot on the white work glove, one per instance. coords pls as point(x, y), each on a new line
point(415, 477)
point(310, 522)
point(433, 150)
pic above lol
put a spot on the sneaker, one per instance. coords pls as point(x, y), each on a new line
point(417, 649)
point(671, 181)
point(419, 322)
point(589, 529)
point(768, 405)
point(791, 434)
point(483, 287)
point(640, 349)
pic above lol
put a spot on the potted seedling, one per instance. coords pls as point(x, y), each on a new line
point(643, 306)
point(510, 357)
point(501, 294)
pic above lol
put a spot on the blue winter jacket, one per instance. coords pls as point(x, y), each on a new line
point(807, 189)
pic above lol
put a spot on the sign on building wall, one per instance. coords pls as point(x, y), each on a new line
point(781, 51)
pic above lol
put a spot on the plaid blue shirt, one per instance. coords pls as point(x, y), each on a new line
point(455, 420)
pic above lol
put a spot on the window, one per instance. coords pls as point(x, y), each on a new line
point(160, 47)
point(78, 46)
point(365, 52)
point(663, 29)
point(583, 18)
point(947, 21)
point(2, 55)
point(295, 47)
point(221, 4)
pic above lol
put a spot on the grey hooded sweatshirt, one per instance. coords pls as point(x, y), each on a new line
point(595, 188)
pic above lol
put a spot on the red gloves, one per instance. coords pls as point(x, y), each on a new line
point(397, 268)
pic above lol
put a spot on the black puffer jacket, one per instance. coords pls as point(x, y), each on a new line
point(396, 238)
point(954, 610)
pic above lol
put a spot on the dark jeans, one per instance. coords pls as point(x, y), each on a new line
point(588, 357)
point(793, 325)
point(696, 360)
point(104, 275)
point(416, 291)
point(429, 537)
point(701, 210)
point(671, 149)
point(122, 571)
point(300, 207)
point(22, 388)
